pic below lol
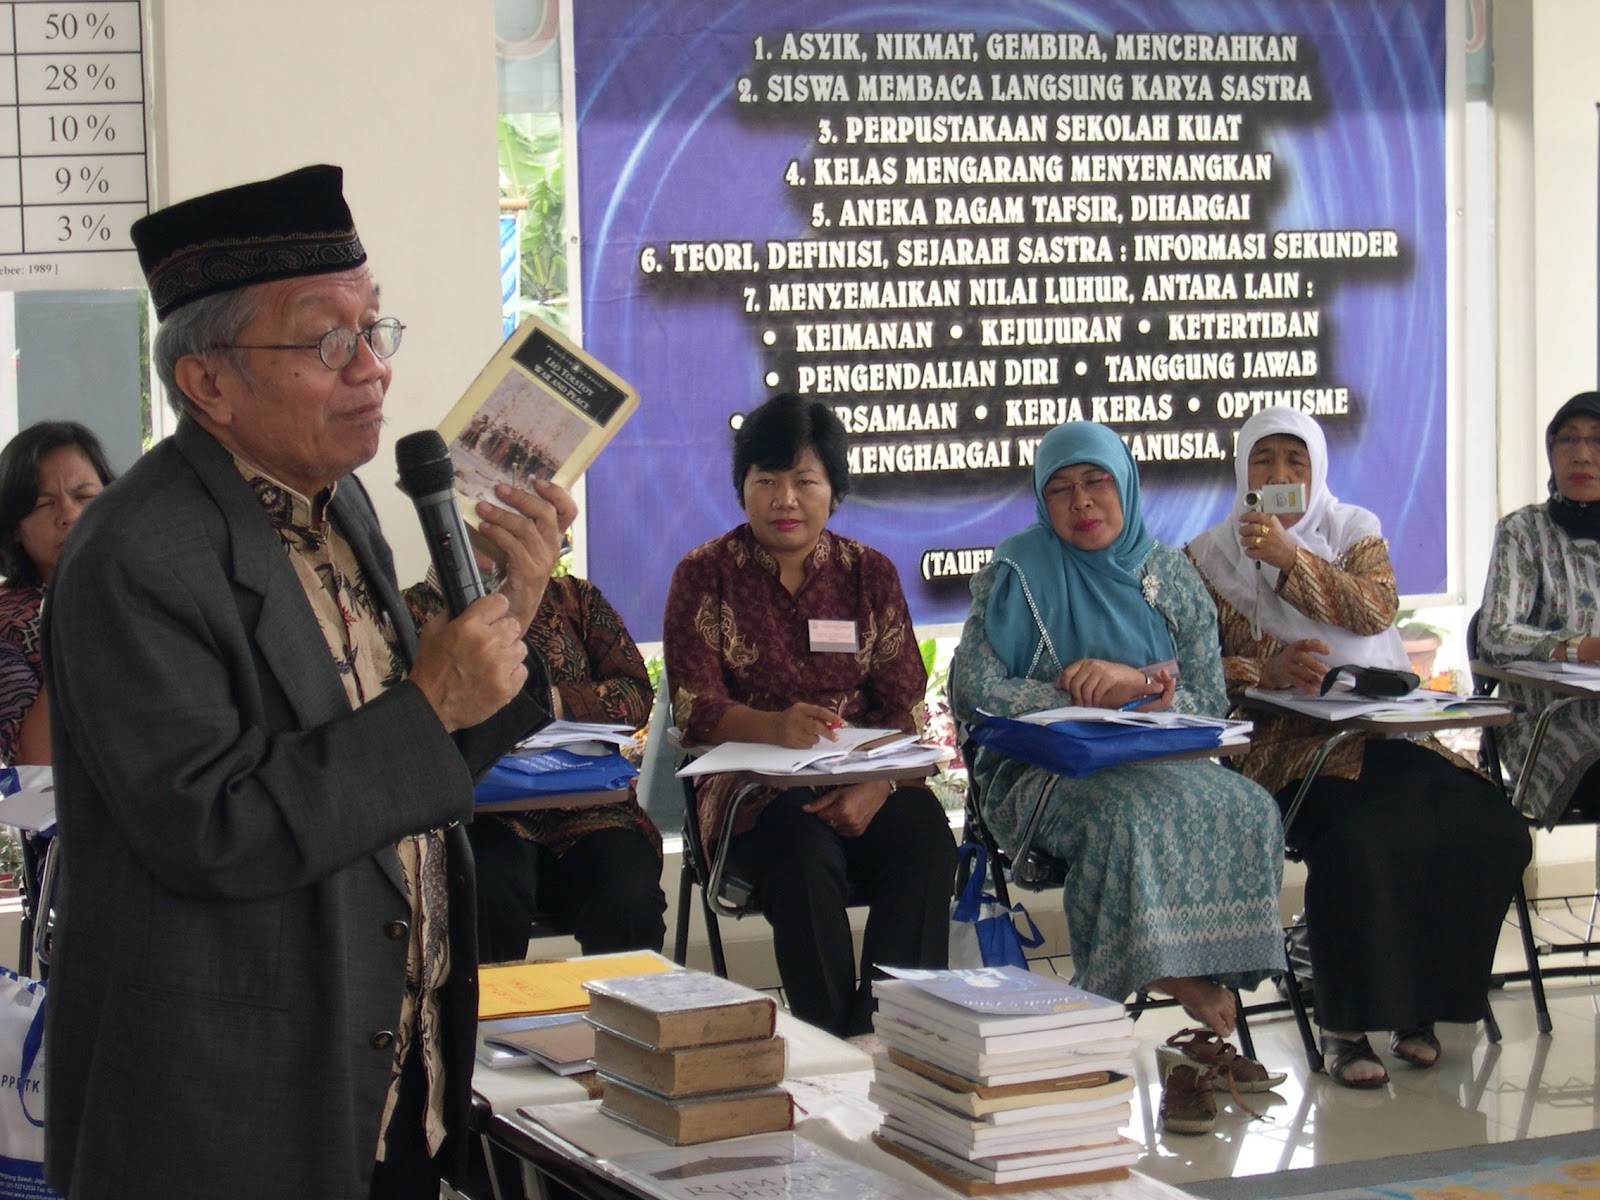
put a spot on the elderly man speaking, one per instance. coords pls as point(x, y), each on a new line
point(263, 982)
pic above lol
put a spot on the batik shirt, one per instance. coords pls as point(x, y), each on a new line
point(733, 635)
point(1357, 592)
point(19, 661)
point(366, 653)
point(599, 674)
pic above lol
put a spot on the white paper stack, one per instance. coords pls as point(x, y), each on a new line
point(1003, 1078)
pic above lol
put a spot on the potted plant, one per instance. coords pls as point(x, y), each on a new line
point(10, 862)
point(1422, 642)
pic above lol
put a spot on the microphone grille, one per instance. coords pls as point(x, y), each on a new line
point(424, 463)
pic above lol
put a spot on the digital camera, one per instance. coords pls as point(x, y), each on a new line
point(1277, 498)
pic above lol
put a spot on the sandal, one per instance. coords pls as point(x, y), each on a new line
point(1346, 1052)
point(1402, 1044)
point(1204, 1047)
point(1188, 1104)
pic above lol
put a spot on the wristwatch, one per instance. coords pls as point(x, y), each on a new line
point(1573, 644)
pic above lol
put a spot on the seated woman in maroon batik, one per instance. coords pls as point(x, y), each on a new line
point(780, 631)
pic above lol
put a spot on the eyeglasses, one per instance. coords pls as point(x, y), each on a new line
point(1571, 441)
point(1094, 485)
point(337, 347)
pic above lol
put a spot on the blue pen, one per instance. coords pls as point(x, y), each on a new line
point(1135, 703)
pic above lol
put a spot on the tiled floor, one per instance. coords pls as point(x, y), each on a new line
point(1527, 1086)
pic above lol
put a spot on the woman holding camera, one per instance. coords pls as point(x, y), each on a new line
point(1411, 855)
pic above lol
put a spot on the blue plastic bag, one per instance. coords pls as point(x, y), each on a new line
point(553, 773)
point(1076, 748)
point(983, 932)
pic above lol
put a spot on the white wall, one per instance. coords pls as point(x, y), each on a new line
point(1545, 92)
point(402, 95)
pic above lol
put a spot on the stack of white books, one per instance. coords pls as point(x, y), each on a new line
point(996, 1078)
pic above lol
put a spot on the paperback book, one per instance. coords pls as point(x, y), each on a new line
point(1074, 1094)
point(688, 1120)
point(757, 1062)
point(995, 999)
point(542, 408)
point(1090, 1164)
point(681, 1009)
point(967, 1059)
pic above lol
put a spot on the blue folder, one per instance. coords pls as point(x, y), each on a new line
point(553, 773)
point(1077, 748)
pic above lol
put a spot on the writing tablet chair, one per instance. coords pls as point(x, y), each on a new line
point(725, 887)
point(1032, 867)
point(1555, 926)
point(36, 887)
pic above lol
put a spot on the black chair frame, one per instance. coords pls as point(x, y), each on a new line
point(1493, 762)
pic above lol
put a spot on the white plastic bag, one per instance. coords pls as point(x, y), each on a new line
point(22, 1088)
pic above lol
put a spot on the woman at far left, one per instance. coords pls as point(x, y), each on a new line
point(48, 474)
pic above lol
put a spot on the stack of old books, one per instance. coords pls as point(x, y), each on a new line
point(997, 1079)
point(689, 1057)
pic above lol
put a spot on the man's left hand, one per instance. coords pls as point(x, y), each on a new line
point(528, 535)
point(849, 810)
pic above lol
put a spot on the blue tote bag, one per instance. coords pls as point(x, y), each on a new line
point(983, 932)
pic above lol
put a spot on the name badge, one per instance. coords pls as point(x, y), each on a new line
point(833, 636)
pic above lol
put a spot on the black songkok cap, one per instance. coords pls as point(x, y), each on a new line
point(295, 224)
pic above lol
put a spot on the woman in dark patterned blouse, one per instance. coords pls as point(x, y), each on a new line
point(596, 870)
point(48, 472)
point(780, 631)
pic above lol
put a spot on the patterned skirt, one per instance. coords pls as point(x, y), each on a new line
point(1173, 869)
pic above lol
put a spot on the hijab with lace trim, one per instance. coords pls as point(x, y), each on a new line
point(1053, 601)
point(1327, 529)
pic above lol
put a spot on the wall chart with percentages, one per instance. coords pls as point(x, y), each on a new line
point(962, 224)
point(72, 143)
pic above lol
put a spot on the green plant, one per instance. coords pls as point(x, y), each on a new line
point(10, 853)
point(1411, 629)
point(950, 785)
point(532, 174)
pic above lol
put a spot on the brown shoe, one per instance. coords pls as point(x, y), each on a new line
point(1205, 1048)
point(1188, 1104)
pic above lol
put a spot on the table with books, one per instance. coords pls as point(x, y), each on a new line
point(1019, 1083)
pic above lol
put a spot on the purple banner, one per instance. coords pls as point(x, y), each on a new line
point(961, 224)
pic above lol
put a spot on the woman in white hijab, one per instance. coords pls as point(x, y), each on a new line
point(1411, 855)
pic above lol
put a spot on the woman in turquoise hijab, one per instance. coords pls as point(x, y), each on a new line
point(1174, 867)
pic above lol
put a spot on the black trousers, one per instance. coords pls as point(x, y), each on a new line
point(1409, 871)
point(903, 863)
point(606, 890)
point(408, 1171)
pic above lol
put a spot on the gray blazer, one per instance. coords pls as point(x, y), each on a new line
point(230, 944)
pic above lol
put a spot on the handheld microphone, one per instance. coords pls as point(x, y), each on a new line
point(429, 478)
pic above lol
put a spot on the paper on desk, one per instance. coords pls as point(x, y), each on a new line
point(1580, 675)
point(572, 735)
point(32, 807)
point(768, 1164)
point(1342, 703)
point(858, 748)
point(1232, 731)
